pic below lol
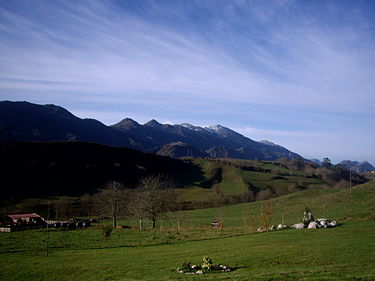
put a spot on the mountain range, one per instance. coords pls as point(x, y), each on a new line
point(354, 166)
point(357, 166)
point(24, 121)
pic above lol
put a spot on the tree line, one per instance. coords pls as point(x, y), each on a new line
point(152, 198)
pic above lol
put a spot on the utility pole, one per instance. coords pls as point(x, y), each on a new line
point(350, 180)
point(47, 230)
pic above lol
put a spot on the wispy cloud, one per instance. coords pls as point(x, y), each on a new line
point(271, 65)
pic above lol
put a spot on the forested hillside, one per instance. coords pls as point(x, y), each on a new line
point(42, 170)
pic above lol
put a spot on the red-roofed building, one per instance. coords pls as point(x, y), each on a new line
point(23, 219)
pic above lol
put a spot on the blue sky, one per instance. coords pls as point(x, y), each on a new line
point(297, 73)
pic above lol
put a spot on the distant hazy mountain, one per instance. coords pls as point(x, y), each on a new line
point(357, 166)
point(23, 121)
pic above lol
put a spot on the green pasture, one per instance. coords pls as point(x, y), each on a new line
point(343, 253)
point(346, 252)
point(236, 181)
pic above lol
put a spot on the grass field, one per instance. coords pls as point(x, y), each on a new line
point(234, 181)
point(343, 253)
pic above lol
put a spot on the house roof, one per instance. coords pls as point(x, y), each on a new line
point(19, 216)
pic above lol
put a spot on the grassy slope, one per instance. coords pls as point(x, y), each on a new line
point(230, 184)
point(333, 203)
point(236, 181)
point(343, 253)
point(198, 183)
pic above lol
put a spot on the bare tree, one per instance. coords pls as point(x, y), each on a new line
point(153, 198)
point(219, 218)
point(266, 214)
point(112, 201)
point(86, 205)
point(63, 207)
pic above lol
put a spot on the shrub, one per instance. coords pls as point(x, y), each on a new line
point(106, 231)
point(208, 266)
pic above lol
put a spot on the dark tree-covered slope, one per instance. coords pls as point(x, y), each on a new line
point(75, 168)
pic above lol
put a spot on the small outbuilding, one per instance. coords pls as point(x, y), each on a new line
point(22, 222)
point(24, 219)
